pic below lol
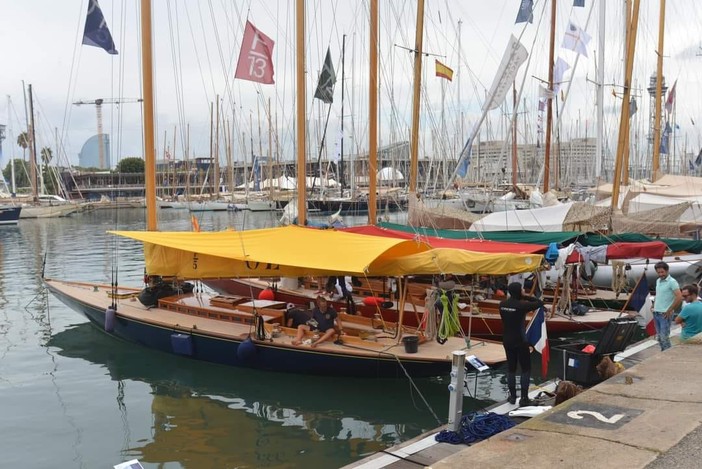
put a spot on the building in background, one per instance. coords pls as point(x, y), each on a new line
point(89, 156)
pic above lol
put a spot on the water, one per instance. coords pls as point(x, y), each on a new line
point(72, 396)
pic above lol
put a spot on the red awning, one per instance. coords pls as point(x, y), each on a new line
point(476, 245)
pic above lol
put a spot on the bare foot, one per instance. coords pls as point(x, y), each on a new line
point(313, 344)
point(296, 342)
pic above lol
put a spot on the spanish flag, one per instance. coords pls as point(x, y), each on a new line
point(443, 71)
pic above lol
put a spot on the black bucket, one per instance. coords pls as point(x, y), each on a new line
point(411, 343)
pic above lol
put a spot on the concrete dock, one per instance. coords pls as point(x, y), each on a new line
point(650, 415)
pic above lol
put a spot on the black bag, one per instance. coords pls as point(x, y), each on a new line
point(579, 309)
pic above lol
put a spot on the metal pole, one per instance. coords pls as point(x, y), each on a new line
point(455, 387)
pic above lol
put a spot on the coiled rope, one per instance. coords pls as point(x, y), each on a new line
point(450, 324)
point(475, 427)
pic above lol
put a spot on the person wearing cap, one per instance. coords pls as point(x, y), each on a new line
point(513, 312)
point(323, 320)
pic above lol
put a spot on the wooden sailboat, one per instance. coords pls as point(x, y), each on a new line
point(251, 333)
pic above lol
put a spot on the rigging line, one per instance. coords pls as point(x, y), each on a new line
point(178, 75)
point(197, 55)
point(207, 51)
point(222, 60)
point(72, 76)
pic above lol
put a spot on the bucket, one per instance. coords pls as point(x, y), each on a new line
point(411, 343)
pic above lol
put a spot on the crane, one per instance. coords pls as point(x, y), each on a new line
point(98, 110)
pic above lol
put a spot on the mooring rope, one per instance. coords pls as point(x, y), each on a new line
point(476, 426)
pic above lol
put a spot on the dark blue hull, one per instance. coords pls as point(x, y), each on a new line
point(9, 215)
point(266, 356)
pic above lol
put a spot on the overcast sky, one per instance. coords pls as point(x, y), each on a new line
point(196, 47)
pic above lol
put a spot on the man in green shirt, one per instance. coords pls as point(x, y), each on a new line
point(668, 300)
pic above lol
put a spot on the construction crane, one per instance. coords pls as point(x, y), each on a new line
point(98, 109)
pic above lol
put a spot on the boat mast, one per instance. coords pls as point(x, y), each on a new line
point(624, 115)
point(32, 149)
point(148, 87)
point(373, 114)
point(341, 143)
point(301, 110)
point(416, 85)
point(549, 103)
point(656, 164)
point(514, 137)
point(600, 93)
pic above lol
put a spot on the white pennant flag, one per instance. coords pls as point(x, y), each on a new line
point(559, 69)
point(576, 39)
point(514, 57)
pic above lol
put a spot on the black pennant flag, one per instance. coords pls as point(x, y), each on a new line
point(96, 33)
point(327, 79)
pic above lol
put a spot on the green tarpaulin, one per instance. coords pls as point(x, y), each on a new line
point(532, 237)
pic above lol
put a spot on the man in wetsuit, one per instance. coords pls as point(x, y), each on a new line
point(513, 312)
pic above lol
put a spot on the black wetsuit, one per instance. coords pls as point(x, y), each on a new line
point(513, 312)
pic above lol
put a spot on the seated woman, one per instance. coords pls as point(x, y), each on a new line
point(323, 318)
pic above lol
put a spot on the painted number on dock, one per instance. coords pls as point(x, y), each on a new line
point(588, 414)
point(578, 414)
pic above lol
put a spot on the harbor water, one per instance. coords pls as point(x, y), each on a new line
point(73, 397)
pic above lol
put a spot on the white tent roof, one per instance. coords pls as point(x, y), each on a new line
point(389, 174)
point(536, 219)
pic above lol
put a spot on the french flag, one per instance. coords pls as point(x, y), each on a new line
point(536, 335)
point(640, 301)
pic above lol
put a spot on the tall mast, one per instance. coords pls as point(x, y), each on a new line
point(215, 157)
point(624, 116)
point(148, 87)
point(341, 143)
point(301, 110)
point(656, 164)
point(416, 85)
point(600, 92)
point(549, 104)
point(32, 149)
point(373, 113)
point(514, 137)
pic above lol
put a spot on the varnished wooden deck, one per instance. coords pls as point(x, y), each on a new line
point(195, 313)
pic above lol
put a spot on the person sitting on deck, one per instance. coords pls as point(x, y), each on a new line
point(691, 315)
point(296, 316)
point(323, 319)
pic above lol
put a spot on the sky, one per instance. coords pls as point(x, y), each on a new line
point(196, 47)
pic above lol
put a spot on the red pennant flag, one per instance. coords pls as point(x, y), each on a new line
point(256, 56)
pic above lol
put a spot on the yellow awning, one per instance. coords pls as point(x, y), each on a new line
point(286, 251)
point(456, 261)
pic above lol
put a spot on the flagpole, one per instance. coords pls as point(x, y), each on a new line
point(628, 300)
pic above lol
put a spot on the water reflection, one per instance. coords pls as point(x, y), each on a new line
point(210, 416)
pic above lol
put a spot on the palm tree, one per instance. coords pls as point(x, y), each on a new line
point(23, 140)
point(46, 155)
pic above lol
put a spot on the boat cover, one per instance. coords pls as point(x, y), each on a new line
point(296, 251)
point(477, 245)
point(646, 250)
point(517, 236)
point(284, 251)
point(457, 261)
